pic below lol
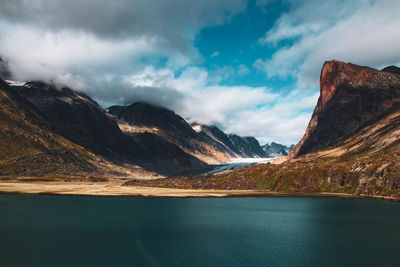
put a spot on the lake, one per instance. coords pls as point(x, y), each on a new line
point(45, 230)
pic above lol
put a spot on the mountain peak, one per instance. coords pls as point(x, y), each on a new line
point(392, 69)
point(351, 97)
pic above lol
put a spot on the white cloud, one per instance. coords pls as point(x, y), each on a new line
point(362, 32)
point(244, 110)
point(174, 22)
point(215, 54)
point(112, 51)
point(36, 53)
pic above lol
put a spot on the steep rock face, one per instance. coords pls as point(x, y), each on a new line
point(247, 146)
point(351, 97)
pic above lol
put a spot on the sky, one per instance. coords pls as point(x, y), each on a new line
point(251, 67)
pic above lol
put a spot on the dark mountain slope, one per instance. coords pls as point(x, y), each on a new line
point(81, 120)
point(247, 146)
point(145, 118)
point(392, 69)
point(30, 147)
point(207, 143)
point(76, 116)
point(218, 136)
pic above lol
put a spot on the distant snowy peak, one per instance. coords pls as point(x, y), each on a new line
point(15, 83)
point(276, 150)
point(247, 147)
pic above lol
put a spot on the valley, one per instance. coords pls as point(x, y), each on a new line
point(351, 145)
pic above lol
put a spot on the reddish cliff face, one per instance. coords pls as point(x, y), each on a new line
point(351, 98)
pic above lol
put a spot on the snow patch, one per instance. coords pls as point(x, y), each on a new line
point(15, 83)
point(251, 160)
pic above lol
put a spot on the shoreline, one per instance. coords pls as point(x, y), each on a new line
point(115, 189)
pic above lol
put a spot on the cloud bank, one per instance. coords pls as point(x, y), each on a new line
point(123, 51)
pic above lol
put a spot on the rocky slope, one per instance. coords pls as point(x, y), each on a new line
point(31, 147)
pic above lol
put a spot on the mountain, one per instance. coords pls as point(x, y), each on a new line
point(245, 147)
point(218, 136)
point(351, 97)
point(30, 145)
point(135, 141)
point(207, 143)
point(275, 150)
point(392, 69)
point(248, 146)
point(79, 119)
point(351, 145)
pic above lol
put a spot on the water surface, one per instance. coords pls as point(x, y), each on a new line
point(40, 230)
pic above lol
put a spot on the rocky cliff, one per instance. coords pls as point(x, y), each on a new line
point(351, 98)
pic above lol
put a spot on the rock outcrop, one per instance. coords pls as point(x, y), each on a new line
point(351, 98)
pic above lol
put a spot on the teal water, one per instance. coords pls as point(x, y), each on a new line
point(41, 230)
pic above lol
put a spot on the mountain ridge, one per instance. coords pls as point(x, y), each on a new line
point(363, 160)
point(207, 143)
point(158, 141)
